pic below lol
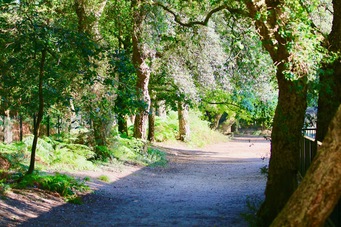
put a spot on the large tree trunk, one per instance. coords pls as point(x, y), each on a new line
point(40, 112)
point(330, 91)
point(290, 111)
point(283, 166)
point(102, 128)
point(184, 129)
point(140, 56)
point(320, 190)
point(216, 119)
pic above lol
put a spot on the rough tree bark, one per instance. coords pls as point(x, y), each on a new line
point(184, 129)
point(320, 190)
point(139, 59)
point(330, 91)
point(290, 111)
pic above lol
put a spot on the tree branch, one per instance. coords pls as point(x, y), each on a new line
point(221, 103)
point(204, 22)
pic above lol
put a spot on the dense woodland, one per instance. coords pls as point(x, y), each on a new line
point(100, 65)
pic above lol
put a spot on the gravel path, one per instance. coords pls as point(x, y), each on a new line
point(207, 187)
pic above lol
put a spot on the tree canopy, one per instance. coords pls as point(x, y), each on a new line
point(261, 62)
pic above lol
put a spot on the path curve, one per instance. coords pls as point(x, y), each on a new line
point(207, 187)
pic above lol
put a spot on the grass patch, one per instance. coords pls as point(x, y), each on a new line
point(104, 178)
point(137, 152)
point(166, 130)
point(201, 133)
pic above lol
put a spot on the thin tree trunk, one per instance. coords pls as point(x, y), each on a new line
point(320, 190)
point(40, 112)
point(48, 126)
point(59, 125)
point(151, 123)
point(20, 128)
point(184, 129)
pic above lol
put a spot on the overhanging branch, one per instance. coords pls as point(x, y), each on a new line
point(204, 22)
point(222, 103)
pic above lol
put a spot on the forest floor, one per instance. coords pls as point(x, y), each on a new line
point(201, 187)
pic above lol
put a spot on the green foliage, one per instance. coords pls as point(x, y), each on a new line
point(59, 155)
point(166, 129)
point(16, 154)
point(75, 200)
point(4, 186)
point(86, 179)
point(103, 153)
point(137, 151)
point(253, 204)
point(201, 133)
point(51, 154)
point(104, 178)
point(264, 170)
point(63, 184)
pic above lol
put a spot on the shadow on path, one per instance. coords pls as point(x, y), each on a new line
point(197, 188)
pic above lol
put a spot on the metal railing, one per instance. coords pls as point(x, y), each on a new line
point(308, 149)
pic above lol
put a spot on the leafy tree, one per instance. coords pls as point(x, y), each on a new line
point(100, 100)
point(287, 35)
point(41, 50)
point(330, 78)
point(320, 191)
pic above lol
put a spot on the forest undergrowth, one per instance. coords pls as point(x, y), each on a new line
point(68, 152)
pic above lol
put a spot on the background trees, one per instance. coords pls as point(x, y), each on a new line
point(108, 59)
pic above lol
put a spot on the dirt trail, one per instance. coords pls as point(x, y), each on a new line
point(207, 187)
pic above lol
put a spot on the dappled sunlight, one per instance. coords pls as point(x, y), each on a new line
point(198, 187)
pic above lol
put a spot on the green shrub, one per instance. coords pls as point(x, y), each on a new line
point(75, 200)
point(104, 178)
point(134, 151)
point(201, 133)
point(60, 155)
point(63, 184)
point(15, 154)
point(166, 128)
point(4, 186)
